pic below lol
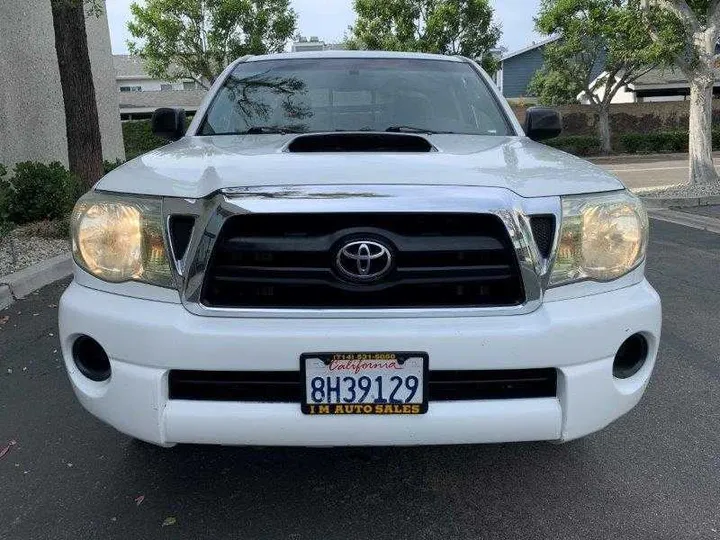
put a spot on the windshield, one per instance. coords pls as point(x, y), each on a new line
point(354, 94)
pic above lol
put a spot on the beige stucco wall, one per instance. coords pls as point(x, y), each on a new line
point(106, 90)
point(32, 116)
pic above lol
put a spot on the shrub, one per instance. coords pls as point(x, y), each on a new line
point(4, 190)
point(650, 143)
point(111, 165)
point(580, 145)
point(139, 138)
point(630, 143)
point(38, 192)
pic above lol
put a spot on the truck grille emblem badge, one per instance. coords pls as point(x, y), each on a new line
point(364, 260)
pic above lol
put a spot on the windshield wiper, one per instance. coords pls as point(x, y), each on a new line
point(413, 129)
point(270, 130)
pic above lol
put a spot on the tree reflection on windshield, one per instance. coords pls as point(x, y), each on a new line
point(251, 97)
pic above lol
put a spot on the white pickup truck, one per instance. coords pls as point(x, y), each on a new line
point(358, 248)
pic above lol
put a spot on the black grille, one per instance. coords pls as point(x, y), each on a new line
point(181, 228)
point(284, 386)
point(288, 261)
point(543, 228)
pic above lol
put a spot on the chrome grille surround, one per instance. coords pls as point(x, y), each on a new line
point(212, 212)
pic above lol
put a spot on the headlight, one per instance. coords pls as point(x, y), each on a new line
point(120, 238)
point(602, 237)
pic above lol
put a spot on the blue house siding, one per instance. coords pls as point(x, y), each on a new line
point(519, 70)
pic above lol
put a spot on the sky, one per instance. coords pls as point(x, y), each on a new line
point(329, 20)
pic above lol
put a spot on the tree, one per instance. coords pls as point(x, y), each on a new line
point(76, 79)
point(692, 29)
point(197, 39)
point(594, 34)
point(558, 82)
point(458, 27)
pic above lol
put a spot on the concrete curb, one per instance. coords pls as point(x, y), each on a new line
point(703, 223)
point(6, 297)
point(32, 278)
point(680, 202)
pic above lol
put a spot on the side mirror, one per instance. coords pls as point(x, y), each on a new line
point(542, 123)
point(169, 123)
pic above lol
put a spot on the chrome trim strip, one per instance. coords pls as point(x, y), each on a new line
point(211, 214)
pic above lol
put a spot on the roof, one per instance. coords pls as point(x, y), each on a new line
point(665, 77)
point(529, 48)
point(129, 67)
point(354, 54)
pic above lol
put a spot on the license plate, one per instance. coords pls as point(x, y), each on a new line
point(364, 383)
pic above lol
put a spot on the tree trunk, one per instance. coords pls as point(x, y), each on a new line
point(702, 169)
point(604, 128)
point(81, 115)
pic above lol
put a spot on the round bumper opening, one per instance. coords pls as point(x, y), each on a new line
point(631, 357)
point(91, 359)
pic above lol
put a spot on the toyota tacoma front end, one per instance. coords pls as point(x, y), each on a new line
point(358, 248)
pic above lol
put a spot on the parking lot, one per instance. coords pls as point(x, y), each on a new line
point(654, 474)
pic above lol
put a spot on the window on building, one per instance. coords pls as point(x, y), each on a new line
point(131, 88)
point(166, 87)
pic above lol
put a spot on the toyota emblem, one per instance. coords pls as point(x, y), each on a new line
point(364, 260)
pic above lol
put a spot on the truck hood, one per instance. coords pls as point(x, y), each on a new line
point(195, 167)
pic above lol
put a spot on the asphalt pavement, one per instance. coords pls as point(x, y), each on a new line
point(640, 172)
point(654, 474)
point(712, 211)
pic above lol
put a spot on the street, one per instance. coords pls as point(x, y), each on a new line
point(654, 474)
point(649, 171)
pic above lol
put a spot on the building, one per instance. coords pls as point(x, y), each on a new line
point(132, 77)
point(661, 84)
point(139, 94)
point(302, 44)
point(31, 101)
point(517, 69)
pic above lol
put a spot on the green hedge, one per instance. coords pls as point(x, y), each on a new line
point(5, 225)
point(630, 143)
point(111, 165)
point(38, 192)
point(651, 143)
point(139, 138)
point(580, 145)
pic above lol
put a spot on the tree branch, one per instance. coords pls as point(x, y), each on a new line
point(714, 13)
point(610, 86)
point(679, 60)
point(679, 8)
point(637, 74)
point(200, 82)
point(591, 87)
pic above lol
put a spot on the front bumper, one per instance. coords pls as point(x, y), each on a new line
point(145, 339)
